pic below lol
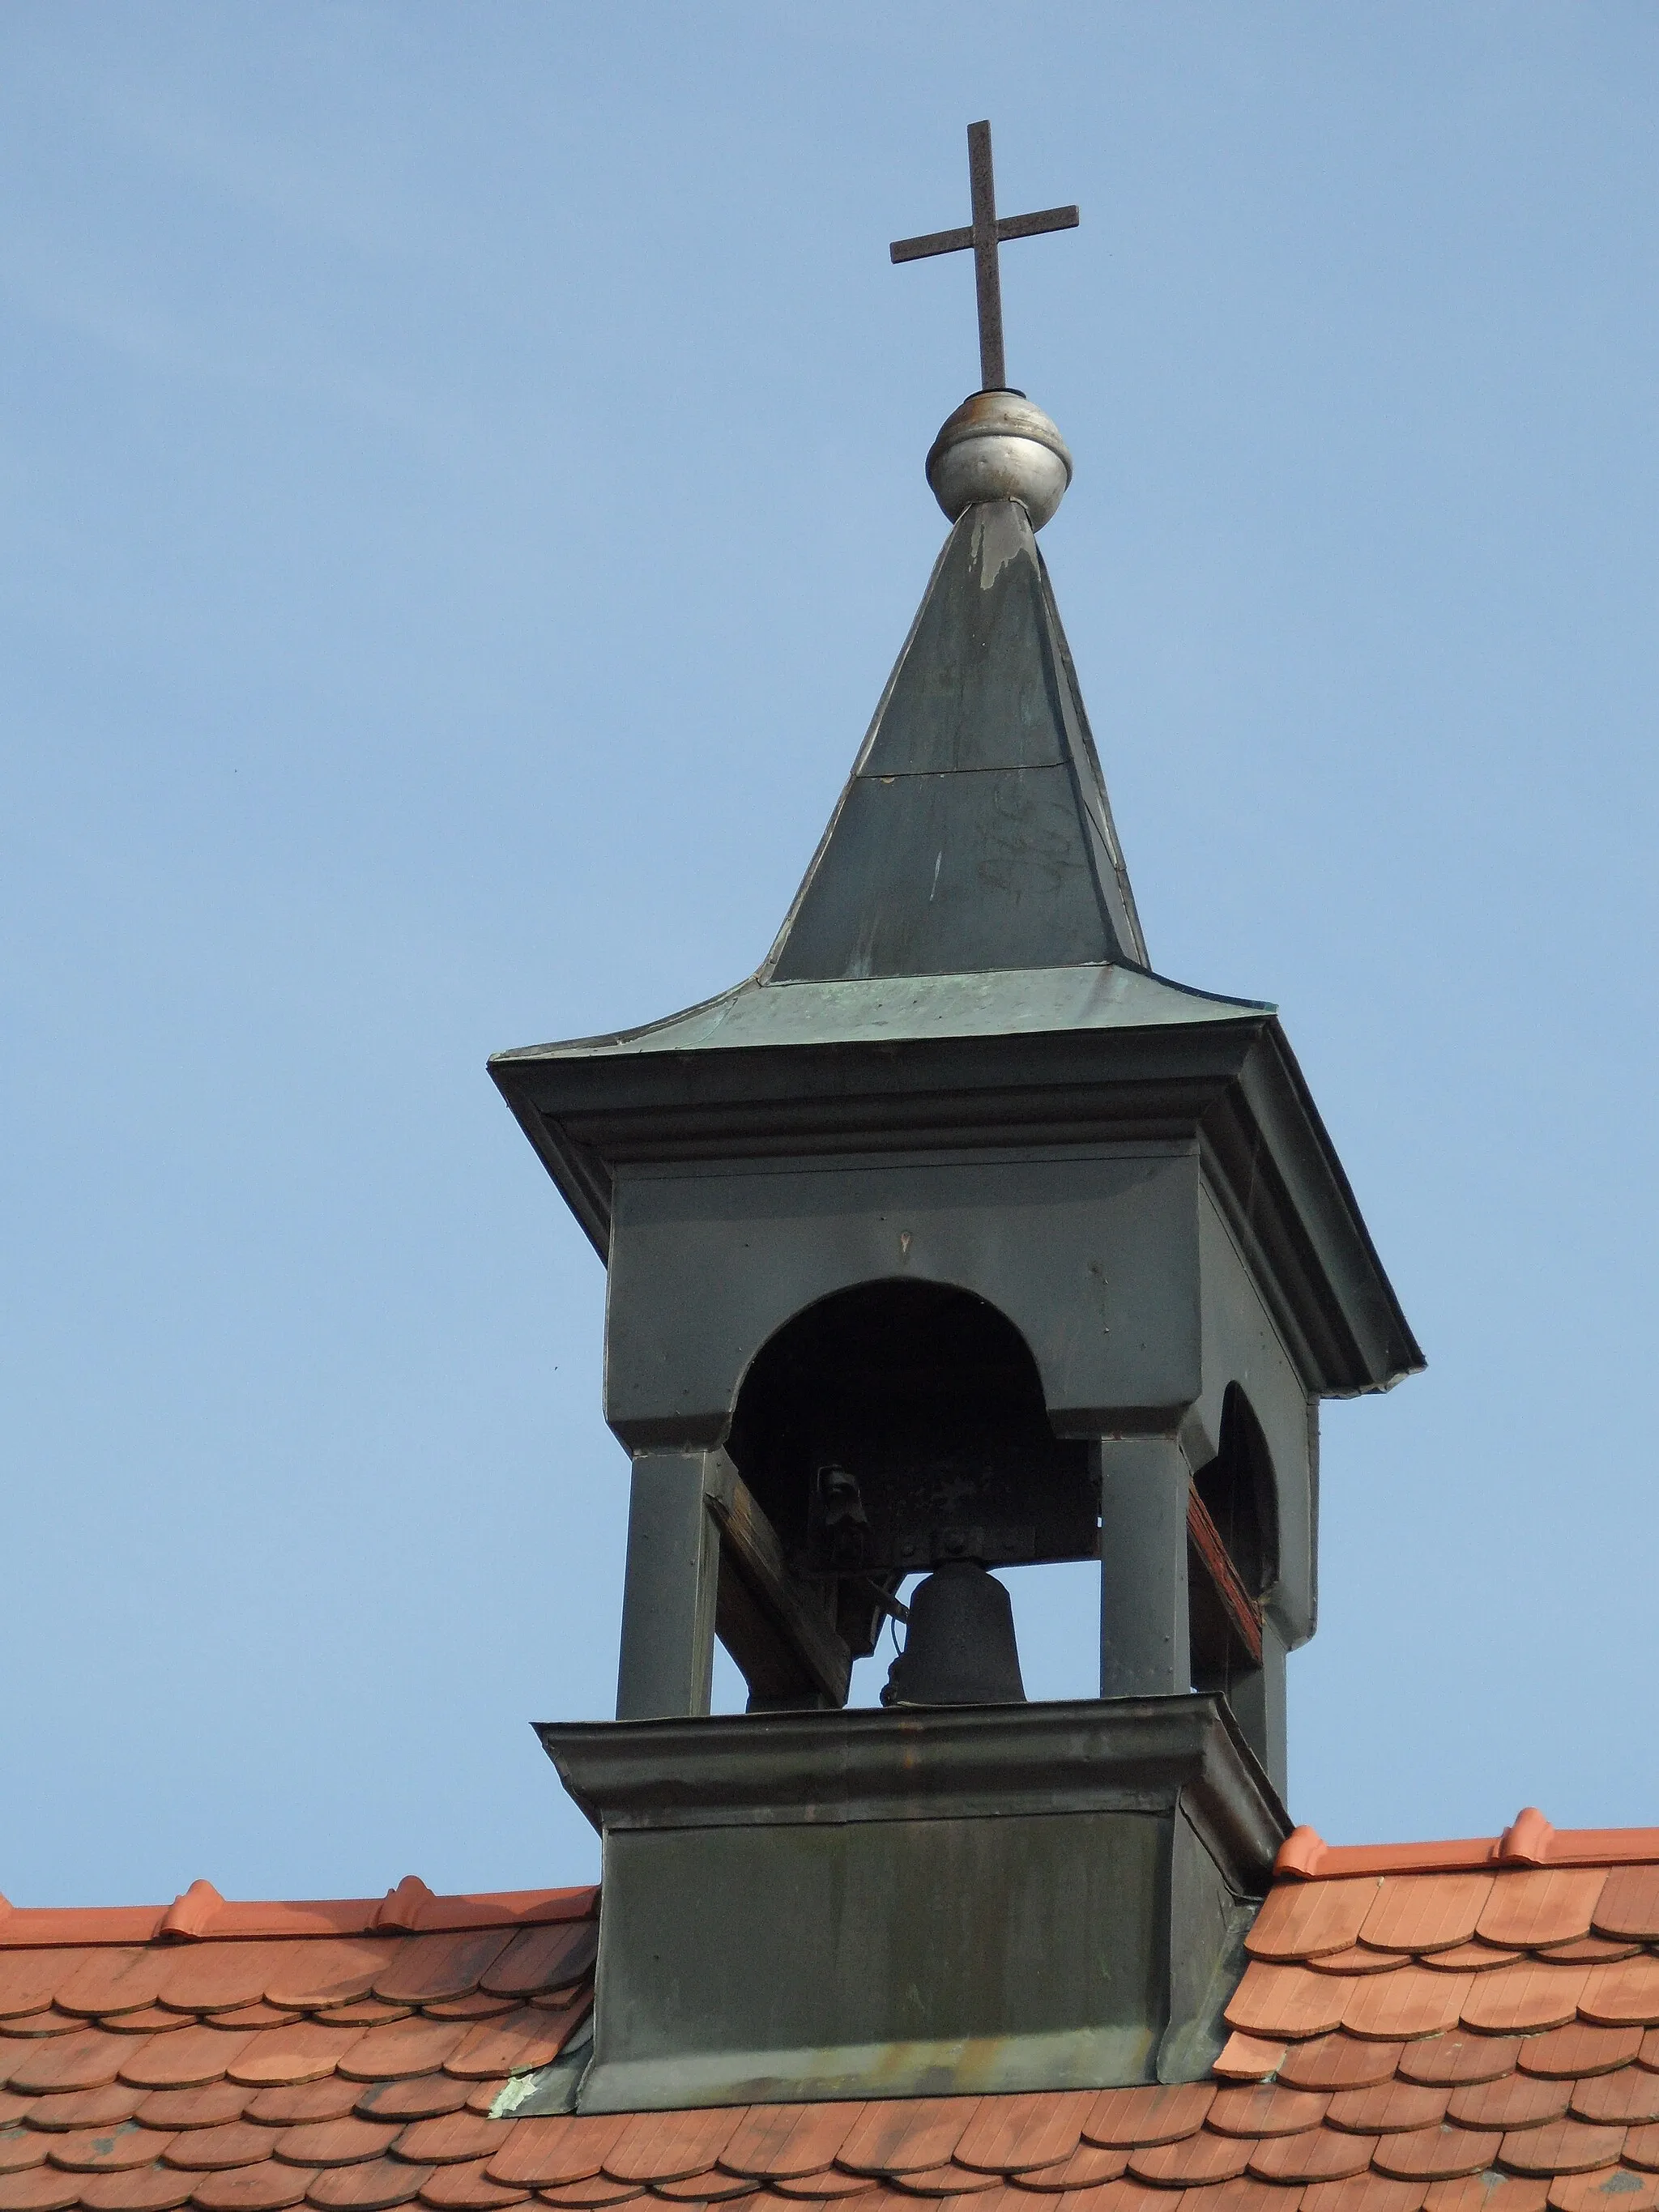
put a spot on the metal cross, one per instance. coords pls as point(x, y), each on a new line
point(984, 235)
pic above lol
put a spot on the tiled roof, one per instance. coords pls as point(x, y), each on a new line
point(1479, 2036)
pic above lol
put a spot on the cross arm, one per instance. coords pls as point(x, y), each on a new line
point(958, 241)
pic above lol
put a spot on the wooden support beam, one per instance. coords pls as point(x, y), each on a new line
point(778, 1628)
point(1204, 1538)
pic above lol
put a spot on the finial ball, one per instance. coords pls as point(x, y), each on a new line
point(999, 445)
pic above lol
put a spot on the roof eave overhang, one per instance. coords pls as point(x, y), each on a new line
point(1233, 1085)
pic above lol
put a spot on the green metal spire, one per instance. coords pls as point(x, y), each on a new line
point(975, 833)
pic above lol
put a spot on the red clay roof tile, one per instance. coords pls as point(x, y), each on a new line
point(1543, 1906)
point(1521, 2100)
point(1244, 2194)
point(1011, 2135)
point(265, 2188)
point(372, 2188)
point(184, 2059)
point(467, 2189)
point(1300, 1921)
point(342, 2142)
point(1526, 1996)
point(42, 2189)
point(149, 2020)
point(1088, 2168)
point(422, 2097)
point(453, 2138)
point(478, 2004)
point(122, 1978)
point(333, 1971)
point(1623, 1995)
point(209, 2150)
point(21, 2148)
point(258, 2014)
point(308, 2051)
point(543, 2153)
point(431, 1967)
point(936, 2181)
point(366, 2012)
point(1629, 1905)
point(1641, 2147)
point(901, 2134)
point(1628, 2098)
point(1340, 2062)
point(1319, 2155)
point(1290, 2002)
point(88, 2108)
point(1485, 2192)
point(1591, 1950)
point(1425, 1911)
point(1249, 2058)
point(215, 1977)
point(1389, 2108)
point(287, 2103)
point(782, 2141)
point(833, 2184)
point(151, 2189)
point(30, 1979)
point(1602, 2191)
point(404, 2047)
point(543, 1958)
point(1192, 2160)
point(1365, 2192)
point(1579, 2049)
point(517, 2042)
point(1359, 1959)
point(1410, 2003)
point(107, 2150)
point(1115, 2196)
point(598, 2190)
point(666, 2147)
point(1440, 2153)
point(1472, 1958)
point(1563, 2147)
point(85, 2060)
point(33, 2025)
point(1268, 2110)
point(208, 2106)
point(1121, 2118)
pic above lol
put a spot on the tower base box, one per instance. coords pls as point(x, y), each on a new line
point(807, 1905)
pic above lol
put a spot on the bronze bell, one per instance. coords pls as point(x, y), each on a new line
point(960, 1648)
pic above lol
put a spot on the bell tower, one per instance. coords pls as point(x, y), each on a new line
point(955, 1239)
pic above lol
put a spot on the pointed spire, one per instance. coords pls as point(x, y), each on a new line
point(975, 833)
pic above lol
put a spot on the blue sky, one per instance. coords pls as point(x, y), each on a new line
point(462, 472)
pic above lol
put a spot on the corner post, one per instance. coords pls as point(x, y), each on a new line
point(1145, 1644)
point(669, 1590)
point(1257, 1698)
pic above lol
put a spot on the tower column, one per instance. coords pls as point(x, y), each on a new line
point(670, 1590)
point(1257, 1698)
point(1145, 1646)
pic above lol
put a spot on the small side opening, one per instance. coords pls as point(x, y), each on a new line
point(1237, 1493)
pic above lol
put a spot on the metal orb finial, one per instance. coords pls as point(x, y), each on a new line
point(999, 445)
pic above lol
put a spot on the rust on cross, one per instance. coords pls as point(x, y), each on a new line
point(984, 235)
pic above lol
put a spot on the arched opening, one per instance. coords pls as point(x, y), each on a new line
point(899, 1424)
